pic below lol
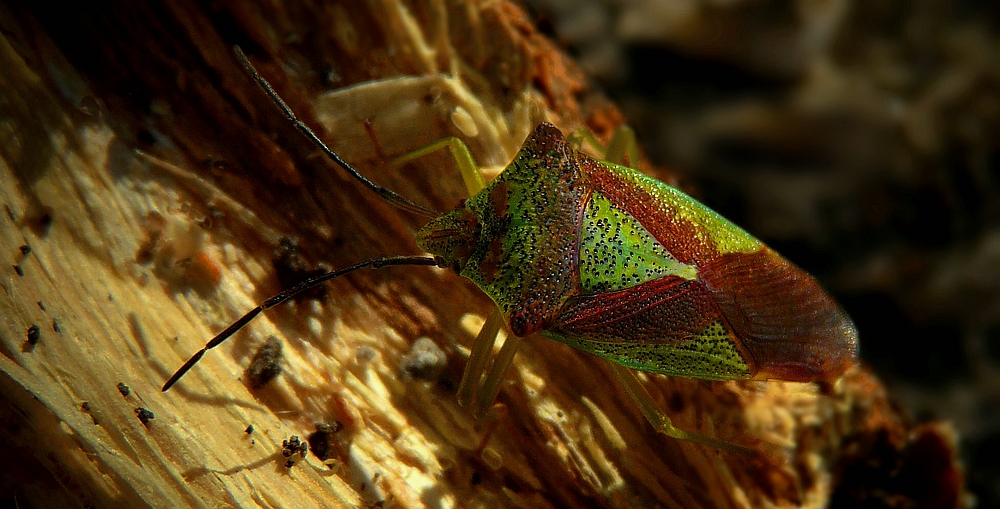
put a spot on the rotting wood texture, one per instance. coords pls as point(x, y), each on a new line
point(162, 195)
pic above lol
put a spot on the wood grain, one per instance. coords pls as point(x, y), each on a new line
point(154, 185)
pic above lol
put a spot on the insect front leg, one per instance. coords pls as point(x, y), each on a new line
point(481, 348)
point(463, 158)
point(479, 382)
point(491, 384)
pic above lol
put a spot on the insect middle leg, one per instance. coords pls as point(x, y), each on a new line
point(621, 147)
point(479, 382)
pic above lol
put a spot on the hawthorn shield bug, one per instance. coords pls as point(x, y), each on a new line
point(610, 261)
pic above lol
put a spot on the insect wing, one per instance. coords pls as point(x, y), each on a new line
point(782, 317)
point(670, 286)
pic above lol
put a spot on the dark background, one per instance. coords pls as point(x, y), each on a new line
point(861, 139)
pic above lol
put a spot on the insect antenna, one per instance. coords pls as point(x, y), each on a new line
point(291, 292)
point(386, 194)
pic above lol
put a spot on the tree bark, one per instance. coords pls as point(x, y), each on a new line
point(162, 195)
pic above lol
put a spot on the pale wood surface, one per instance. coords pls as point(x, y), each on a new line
point(153, 183)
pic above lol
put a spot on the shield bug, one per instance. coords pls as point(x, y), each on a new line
point(610, 261)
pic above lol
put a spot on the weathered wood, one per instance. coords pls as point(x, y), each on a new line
point(154, 185)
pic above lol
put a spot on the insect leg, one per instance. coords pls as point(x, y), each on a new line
point(481, 349)
point(463, 158)
point(659, 419)
point(474, 384)
point(491, 386)
point(622, 146)
point(581, 136)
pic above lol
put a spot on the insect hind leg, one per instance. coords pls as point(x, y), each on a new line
point(655, 415)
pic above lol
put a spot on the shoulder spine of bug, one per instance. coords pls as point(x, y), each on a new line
point(626, 268)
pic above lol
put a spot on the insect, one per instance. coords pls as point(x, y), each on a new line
point(610, 261)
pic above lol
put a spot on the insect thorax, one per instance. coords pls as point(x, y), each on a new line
point(516, 238)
